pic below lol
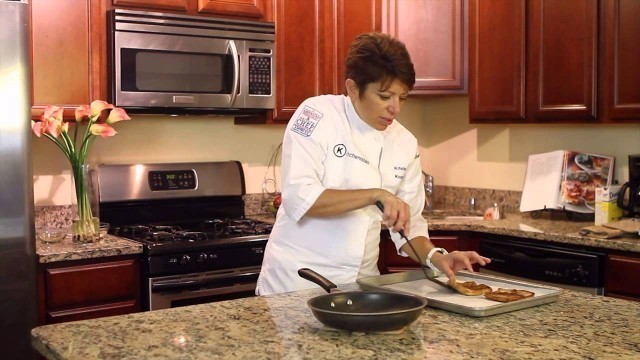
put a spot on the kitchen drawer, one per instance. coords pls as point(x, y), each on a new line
point(93, 312)
point(91, 284)
point(620, 280)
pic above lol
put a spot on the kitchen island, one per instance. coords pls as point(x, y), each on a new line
point(577, 326)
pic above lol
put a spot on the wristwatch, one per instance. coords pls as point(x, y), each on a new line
point(430, 255)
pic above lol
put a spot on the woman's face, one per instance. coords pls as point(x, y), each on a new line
point(378, 107)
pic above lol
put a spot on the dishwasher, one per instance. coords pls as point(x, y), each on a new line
point(547, 264)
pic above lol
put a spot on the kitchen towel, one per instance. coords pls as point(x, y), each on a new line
point(631, 226)
point(601, 232)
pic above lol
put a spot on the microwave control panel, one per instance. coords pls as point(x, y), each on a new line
point(259, 75)
point(172, 180)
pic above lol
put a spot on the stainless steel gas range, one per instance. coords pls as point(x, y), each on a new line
point(198, 246)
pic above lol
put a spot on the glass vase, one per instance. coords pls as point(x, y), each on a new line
point(85, 226)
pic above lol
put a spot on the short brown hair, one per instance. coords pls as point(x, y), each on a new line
point(377, 57)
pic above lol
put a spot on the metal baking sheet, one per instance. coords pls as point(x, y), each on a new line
point(413, 282)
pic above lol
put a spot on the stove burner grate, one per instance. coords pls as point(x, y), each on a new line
point(204, 230)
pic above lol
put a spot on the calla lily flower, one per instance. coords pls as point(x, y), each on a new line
point(103, 130)
point(52, 111)
point(38, 128)
point(53, 126)
point(82, 111)
point(97, 106)
point(117, 114)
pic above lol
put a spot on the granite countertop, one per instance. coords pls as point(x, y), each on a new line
point(577, 326)
point(67, 249)
point(544, 229)
point(553, 230)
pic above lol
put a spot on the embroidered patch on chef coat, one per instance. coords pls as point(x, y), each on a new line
point(306, 121)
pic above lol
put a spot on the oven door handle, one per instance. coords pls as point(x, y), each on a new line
point(225, 280)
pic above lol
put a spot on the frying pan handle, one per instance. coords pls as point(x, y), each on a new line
point(317, 278)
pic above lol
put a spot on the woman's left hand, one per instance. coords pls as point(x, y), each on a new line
point(455, 261)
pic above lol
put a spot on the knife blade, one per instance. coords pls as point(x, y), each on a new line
point(440, 282)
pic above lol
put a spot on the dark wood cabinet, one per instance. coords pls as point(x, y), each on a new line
point(620, 278)
point(497, 48)
point(533, 61)
point(87, 289)
point(547, 61)
point(312, 40)
point(620, 56)
point(351, 18)
point(299, 54)
point(562, 60)
point(389, 261)
point(68, 53)
point(435, 33)
point(251, 9)
point(69, 58)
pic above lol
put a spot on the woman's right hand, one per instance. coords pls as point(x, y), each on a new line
point(397, 213)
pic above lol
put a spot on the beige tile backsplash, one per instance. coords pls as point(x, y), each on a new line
point(445, 198)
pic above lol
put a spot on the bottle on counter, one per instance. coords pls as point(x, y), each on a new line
point(492, 213)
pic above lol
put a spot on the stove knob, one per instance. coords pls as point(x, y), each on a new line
point(202, 257)
point(185, 259)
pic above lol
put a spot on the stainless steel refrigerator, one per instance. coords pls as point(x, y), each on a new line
point(18, 260)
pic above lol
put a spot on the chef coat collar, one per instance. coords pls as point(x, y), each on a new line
point(356, 122)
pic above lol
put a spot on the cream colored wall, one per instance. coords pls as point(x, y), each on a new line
point(454, 152)
point(495, 156)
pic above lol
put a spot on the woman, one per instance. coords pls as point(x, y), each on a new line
point(341, 155)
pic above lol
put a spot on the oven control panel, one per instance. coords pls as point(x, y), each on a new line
point(172, 180)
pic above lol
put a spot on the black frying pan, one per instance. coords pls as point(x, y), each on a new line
point(362, 311)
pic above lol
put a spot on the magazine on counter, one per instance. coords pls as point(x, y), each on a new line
point(565, 179)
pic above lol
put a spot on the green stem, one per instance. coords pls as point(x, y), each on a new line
point(84, 146)
point(62, 146)
point(86, 226)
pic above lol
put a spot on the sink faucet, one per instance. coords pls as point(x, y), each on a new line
point(428, 191)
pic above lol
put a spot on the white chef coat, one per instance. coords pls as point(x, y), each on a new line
point(327, 145)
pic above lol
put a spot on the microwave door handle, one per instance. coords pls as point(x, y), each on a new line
point(236, 71)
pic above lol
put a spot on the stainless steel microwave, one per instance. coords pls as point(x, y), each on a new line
point(171, 63)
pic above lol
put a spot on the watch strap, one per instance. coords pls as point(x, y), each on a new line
point(430, 255)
